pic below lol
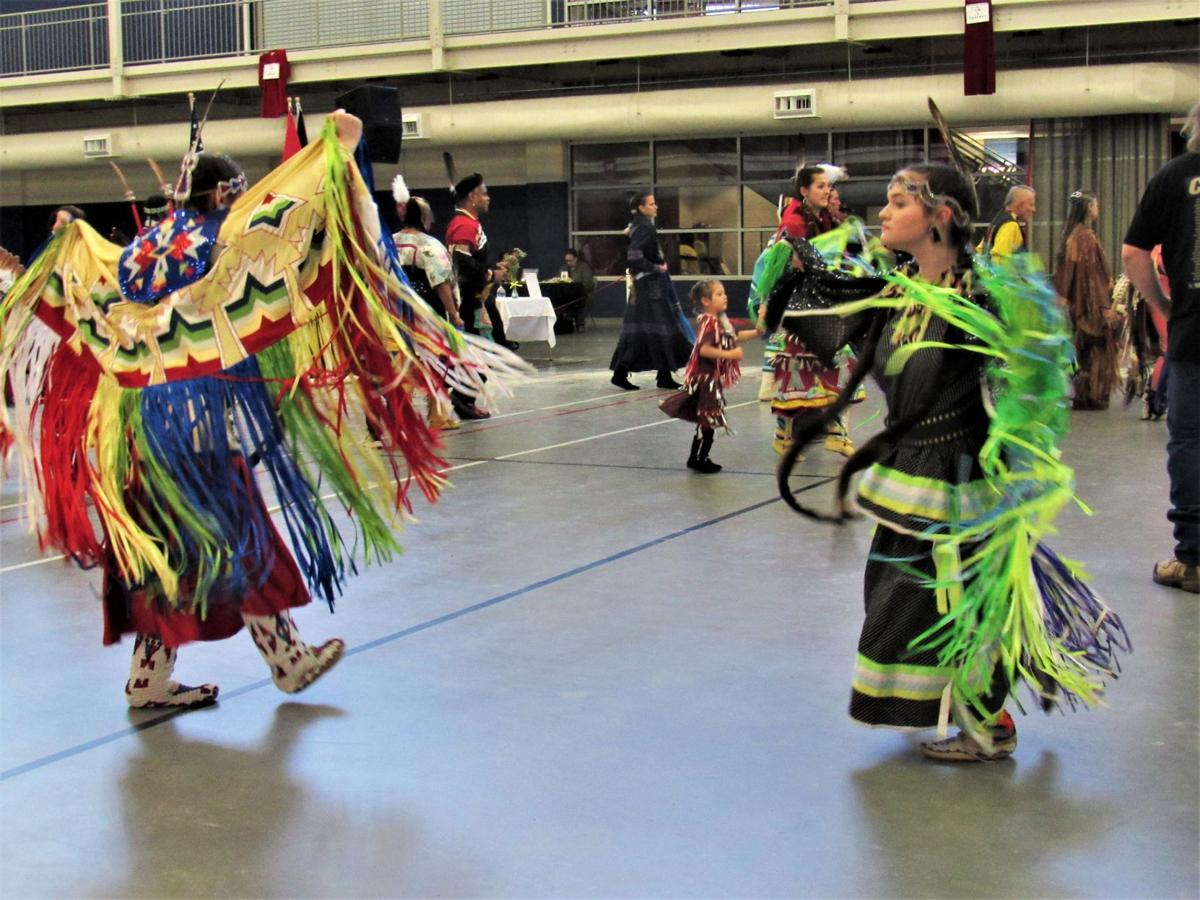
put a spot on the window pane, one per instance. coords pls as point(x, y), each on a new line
point(625, 164)
point(701, 252)
point(864, 197)
point(760, 204)
point(697, 207)
point(605, 253)
point(753, 244)
point(602, 210)
point(878, 153)
point(775, 158)
point(706, 161)
point(937, 148)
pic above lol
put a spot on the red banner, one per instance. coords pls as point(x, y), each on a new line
point(979, 51)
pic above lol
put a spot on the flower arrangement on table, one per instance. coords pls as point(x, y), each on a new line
point(512, 266)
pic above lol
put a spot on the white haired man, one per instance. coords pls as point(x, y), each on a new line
point(1008, 233)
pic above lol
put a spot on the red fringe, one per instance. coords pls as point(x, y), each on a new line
point(62, 467)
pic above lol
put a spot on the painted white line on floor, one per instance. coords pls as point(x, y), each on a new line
point(525, 412)
point(461, 466)
point(468, 465)
point(595, 437)
point(33, 562)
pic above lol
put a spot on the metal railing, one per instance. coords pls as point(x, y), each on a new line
point(162, 30)
point(155, 31)
point(54, 40)
point(594, 12)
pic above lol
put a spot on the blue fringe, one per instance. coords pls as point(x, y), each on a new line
point(1077, 617)
point(187, 433)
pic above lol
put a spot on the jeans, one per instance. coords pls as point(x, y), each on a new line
point(1183, 457)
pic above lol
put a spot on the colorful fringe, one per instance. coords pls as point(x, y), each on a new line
point(301, 336)
point(1018, 605)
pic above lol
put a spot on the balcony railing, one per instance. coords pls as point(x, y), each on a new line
point(54, 40)
point(154, 31)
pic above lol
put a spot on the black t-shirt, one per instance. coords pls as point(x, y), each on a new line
point(1168, 214)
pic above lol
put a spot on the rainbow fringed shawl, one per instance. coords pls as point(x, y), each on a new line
point(278, 338)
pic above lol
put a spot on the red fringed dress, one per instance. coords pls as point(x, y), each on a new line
point(701, 399)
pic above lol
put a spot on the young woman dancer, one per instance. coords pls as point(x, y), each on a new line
point(803, 385)
point(962, 598)
point(654, 335)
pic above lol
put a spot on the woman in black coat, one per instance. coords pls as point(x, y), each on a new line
point(653, 335)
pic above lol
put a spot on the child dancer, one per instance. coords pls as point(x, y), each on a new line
point(713, 366)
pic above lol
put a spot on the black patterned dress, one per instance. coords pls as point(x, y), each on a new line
point(930, 479)
point(653, 336)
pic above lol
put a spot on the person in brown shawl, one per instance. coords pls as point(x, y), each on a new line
point(1082, 276)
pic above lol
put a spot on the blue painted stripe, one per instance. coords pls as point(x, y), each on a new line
point(167, 715)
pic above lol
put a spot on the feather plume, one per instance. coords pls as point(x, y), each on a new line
point(400, 190)
point(832, 172)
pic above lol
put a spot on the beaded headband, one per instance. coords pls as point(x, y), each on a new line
point(930, 200)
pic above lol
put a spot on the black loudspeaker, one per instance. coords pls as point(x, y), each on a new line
point(379, 109)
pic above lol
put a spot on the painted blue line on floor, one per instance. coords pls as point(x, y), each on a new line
point(395, 636)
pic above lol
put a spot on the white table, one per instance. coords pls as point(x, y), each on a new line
point(527, 318)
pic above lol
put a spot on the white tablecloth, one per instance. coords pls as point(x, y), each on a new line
point(527, 318)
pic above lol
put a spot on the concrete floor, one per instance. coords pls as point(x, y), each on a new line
point(595, 674)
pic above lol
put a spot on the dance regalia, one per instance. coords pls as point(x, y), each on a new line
point(962, 598)
point(1083, 278)
point(1142, 344)
point(466, 242)
point(802, 381)
point(149, 380)
point(655, 336)
point(701, 399)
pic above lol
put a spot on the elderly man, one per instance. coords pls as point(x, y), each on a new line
point(1168, 214)
point(1009, 231)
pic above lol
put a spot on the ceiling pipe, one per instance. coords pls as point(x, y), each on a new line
point(876, 103)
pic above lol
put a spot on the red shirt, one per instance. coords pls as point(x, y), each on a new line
point(274, 89)
point(798, 221)
point(465, 234)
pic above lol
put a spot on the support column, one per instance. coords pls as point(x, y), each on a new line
point(437, 36)
point(116, 48)
point(841, 20)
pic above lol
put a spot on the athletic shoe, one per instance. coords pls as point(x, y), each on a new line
point(1176, 574)
point(964, 748)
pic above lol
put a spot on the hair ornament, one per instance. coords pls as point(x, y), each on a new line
point(400, 192)
point(930, 200)
point(833, 173)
